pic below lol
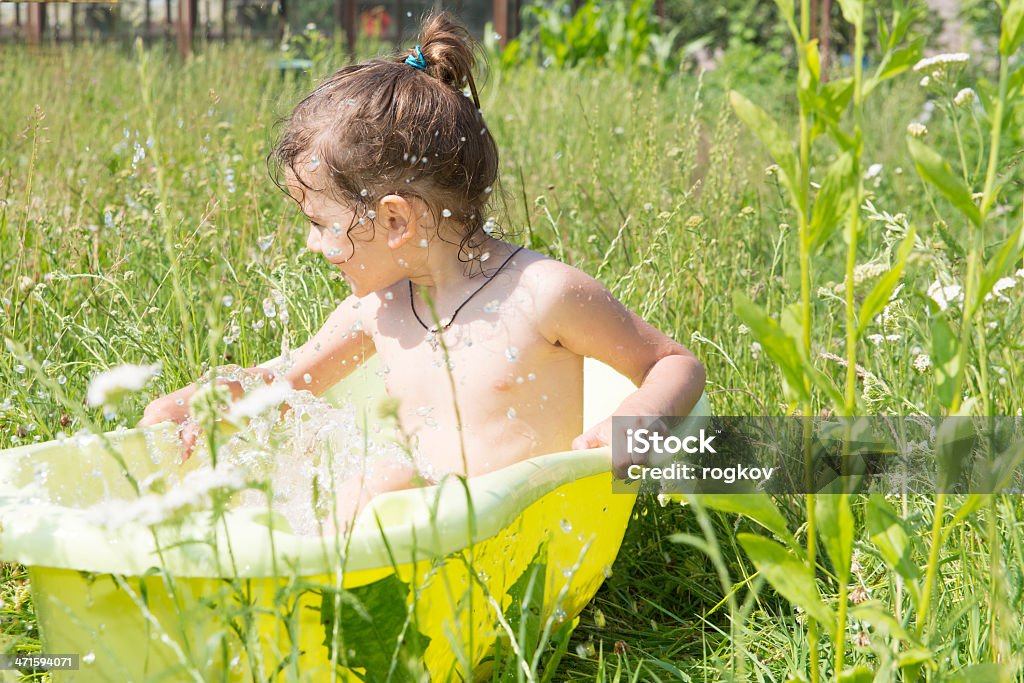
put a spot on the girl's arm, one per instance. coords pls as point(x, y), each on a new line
point(337, 349)
point(328, 357)
point(578, 313)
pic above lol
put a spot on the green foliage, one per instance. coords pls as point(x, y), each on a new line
point(939, 173)
point(81, 223)
point(621, 35)
point(836, 530)
point(729, 23)
point(786, 573)
point(372, 624)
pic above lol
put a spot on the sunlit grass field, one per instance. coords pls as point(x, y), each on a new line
point(138, 224)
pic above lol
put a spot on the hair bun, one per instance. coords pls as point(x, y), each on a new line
point(448, 49)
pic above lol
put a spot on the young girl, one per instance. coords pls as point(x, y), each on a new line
point(393, 164)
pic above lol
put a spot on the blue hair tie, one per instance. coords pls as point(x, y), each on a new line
point(417, 61)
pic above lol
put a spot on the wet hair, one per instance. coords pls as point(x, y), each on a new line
point(386, 127)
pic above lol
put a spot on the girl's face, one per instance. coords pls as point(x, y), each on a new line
point(369, 255)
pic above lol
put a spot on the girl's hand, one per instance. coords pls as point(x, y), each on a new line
point(605, 434)
point(595, 437)
point(170, 408)
point(175, 408)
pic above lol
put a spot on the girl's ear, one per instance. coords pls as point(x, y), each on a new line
point(398, 216)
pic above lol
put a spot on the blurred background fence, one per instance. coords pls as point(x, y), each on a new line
point(665, 34)
point(187, 20)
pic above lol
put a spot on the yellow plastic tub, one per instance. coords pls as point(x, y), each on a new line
point(428, 579)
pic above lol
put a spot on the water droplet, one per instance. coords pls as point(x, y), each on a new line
point(484, 256)
point(62, 380)
point(307, 378)
point(607, 570)
point(264, 242)
point(179, 401)
point(89, 658)
point(491, 306)
point(566, 525)
point(20, 369)
point(519, 379)
point(584, 650)
point(424, 243)
point(531, 377)
point(511, 354)
point(446, 213)
point(599, 619)
point(389, 295)
point(511, 414)
point(228, 300)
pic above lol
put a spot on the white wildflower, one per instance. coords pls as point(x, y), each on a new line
point(108, 386)
point(922, 363)
point(873, 170)
point(875, 389)
point(926, 81)
point(879, 339)
point(260, 400)
point(917, 130)
point(755, 350)
point(193, 492)
point(1001, 285)
point(855, 565)
point(868, 271)
point(944, 296)
point(939, 62)
point(859, 595)
point(742, 329)
point(965, 97)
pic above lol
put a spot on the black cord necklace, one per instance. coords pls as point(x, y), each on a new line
point(434, 330)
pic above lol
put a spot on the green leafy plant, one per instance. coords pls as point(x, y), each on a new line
point(622, 35)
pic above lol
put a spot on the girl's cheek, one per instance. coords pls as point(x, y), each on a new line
point(313, 240)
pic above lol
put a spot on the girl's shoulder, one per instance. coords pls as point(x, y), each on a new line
point(547, 276)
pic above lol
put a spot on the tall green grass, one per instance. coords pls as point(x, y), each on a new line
point(651, 185)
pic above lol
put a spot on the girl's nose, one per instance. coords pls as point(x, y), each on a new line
point(313, 240)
